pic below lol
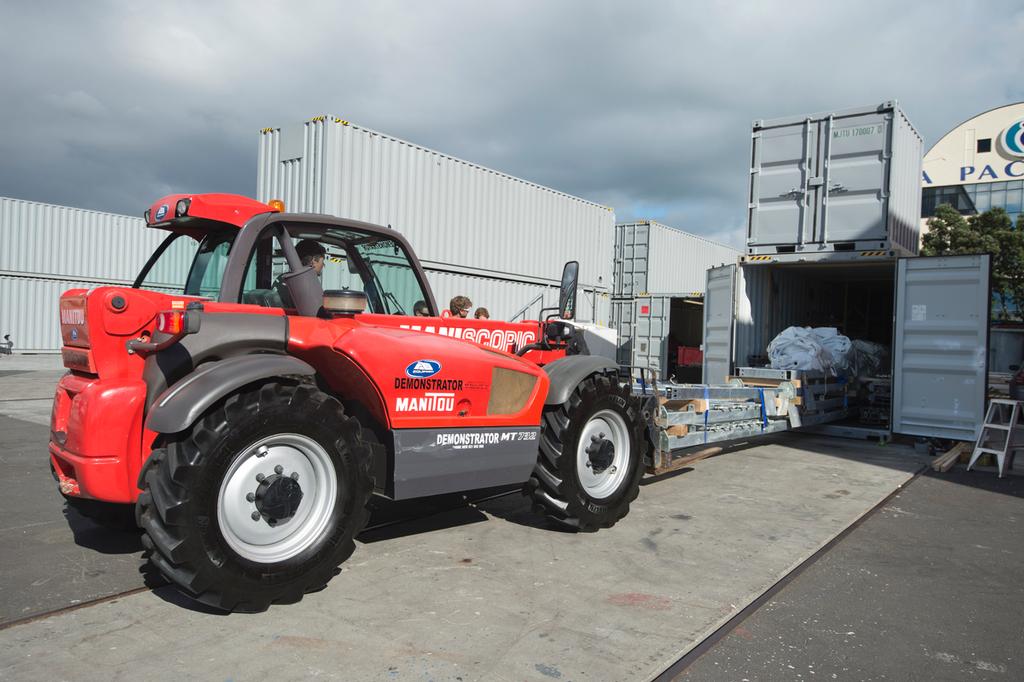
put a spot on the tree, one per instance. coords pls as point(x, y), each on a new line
point(949, 233)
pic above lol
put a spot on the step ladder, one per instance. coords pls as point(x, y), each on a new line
point(998, 434)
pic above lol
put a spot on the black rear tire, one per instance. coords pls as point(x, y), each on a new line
point(556, 485)
point(184, 498)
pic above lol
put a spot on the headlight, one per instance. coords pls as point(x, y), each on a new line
point(181, 208)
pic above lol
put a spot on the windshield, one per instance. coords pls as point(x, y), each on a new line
point(346, 258)
point(181, 265)
point(376, 265)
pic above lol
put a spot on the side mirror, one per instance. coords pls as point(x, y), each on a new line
point(567, 295)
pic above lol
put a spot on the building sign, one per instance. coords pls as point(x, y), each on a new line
point(987, 148)
point(987, 173)
point(1012, 140)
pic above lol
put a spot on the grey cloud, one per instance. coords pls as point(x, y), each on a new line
point(642, 106)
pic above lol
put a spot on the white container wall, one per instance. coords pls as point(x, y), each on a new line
point(460, 217)
point(504, 299)
point(28, 311)
point(43, 239)
point(651, 258)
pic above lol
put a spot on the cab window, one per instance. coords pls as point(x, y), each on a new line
point(351, 259)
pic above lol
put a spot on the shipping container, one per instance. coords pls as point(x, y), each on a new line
point(932, 314)
point(666, 335)
point(510, 300)
point(845, 181)
point(29, 313)
point(44, 239)
point(461, 218)
point(651, 258)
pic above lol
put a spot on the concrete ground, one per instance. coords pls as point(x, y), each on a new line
point(928, 588)
point(481, 592)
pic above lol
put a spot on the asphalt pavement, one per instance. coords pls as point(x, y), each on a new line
point(927, 588)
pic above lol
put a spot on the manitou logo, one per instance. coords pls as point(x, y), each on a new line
point(502, 339)
point(429, 402)
point(72, 316)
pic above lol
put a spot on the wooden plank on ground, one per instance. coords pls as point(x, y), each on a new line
point(948, 459)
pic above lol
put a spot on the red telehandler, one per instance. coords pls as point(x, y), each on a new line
point(245, 418)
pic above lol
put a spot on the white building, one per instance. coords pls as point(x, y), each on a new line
point(978, 165)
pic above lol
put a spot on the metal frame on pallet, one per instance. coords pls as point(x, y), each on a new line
point(685, 416)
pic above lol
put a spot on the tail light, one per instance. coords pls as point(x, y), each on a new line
point(171, 321)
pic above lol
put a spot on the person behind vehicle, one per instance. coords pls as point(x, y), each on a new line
point(460, 306)
point(421, 309)
point(482, 314)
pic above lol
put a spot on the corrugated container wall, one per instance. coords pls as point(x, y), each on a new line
point(651, 258)
point(841, 181)
point(461, 218)
point(47, 249)
point(44, 240)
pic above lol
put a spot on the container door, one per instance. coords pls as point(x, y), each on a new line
point(622, 322)
point(852, 188)
point(719, 314)
point(940, 346)
point(650, 333)
point(782, 163)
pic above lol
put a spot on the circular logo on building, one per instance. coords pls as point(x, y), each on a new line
point(1012, 139)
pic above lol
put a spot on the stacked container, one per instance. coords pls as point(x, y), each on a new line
point(498, 239)
point(845, 183)
point(658, 289)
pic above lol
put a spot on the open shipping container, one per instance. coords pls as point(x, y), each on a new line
point(932, 312)
point(662, 333)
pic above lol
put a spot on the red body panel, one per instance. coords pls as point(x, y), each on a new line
point(456, 394)
point(232, 209)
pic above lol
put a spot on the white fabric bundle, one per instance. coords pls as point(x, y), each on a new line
point(798, 348)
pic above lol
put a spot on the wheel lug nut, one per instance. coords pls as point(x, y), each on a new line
point(250, 497)
point(593, 439)
point(295, 475)
point(255, 516)
point(278, 469)
point(259, 478)
point(601, 435)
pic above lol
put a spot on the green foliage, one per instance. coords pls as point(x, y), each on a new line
point(949, 233)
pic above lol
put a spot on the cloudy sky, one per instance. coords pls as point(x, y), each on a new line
point(644, 106)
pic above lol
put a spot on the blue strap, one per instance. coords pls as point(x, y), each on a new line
point(764, 411)
point(707, 408)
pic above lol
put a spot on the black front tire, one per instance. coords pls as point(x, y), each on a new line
point(556, 487)
point(182, 483)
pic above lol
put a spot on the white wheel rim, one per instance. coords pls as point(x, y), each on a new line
point(256, 539)
point(606, 425)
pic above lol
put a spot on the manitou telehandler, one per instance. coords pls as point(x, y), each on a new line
point(244, 402)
